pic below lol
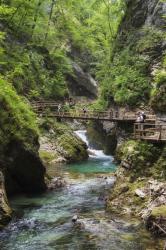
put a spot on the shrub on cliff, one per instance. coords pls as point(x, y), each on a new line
point(139, 156)
point(158, 96)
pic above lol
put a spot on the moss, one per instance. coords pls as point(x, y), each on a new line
point(159, 211)
point(74, 149)
point(158, 170)
point(128, 237)
point(150, 38)
point(17, 122)
point(46, 124)
point(47, 157)
point(140, 156)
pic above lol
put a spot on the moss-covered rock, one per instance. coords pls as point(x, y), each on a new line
point(72, 147)
point(156, 222)
point(138, 156)
point(59, 142)
point(140, 187)
point(159, 211)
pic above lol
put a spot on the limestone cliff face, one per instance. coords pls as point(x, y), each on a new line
point(141, 12)
point(21, 170)
point(81, 83)
point(138, 70)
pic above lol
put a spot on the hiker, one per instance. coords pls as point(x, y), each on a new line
point(84, 111)
point(59, 107)
point(139, 118)
point(143, 116)
point(111, 114)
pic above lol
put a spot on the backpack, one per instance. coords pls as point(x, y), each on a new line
point(144, 116)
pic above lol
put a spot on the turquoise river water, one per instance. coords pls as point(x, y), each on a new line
point(44, 222)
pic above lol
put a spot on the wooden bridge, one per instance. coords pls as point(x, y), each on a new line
point(50, 109)
point(152, 130)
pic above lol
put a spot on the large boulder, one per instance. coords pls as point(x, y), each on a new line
point(24, 170)
point(72, 148)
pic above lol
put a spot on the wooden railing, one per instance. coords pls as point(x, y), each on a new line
point(50, 108)
point(93, 115)
point(150, 132)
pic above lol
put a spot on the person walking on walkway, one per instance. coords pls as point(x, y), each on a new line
point(84, 111)
point(59, 107)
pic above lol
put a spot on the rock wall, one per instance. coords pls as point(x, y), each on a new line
point(81, 83)
point(23, 170)
point(20, 164)
point(140, 12)
point(137, 75)
point(140, 188)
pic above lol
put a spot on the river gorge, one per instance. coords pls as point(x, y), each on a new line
point(45, 221)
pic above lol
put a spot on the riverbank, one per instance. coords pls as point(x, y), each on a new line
point(140, 189)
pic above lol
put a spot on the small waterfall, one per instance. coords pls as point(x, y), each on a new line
point(93, 153)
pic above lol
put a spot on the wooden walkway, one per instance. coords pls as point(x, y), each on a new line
point(94, 115)
point(50, 109)
point(148, 131)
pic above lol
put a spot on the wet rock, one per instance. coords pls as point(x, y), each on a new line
point(56, 183)
point(74, 218)
point(140, 193)
point(24, 170)
point(60, 159)
point(125, 164)
point(79, 225)
point(82, 83)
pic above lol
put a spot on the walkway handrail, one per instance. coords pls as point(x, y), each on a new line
point(151, 132)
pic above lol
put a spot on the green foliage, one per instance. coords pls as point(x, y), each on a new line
point(160, 77)
point(150, 37)
point(40, 41)
point(159, 169)
point(127, 82)
point(17, 120)
point(158, 94)
point(6, 11)
point(140, 155)
point(159, 211)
